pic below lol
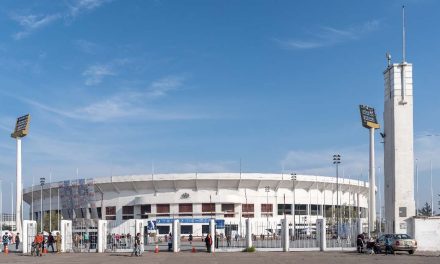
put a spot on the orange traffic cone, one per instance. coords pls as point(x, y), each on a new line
point(193, 250)
point(6, 250)
point(45, 250)
point(156, 250)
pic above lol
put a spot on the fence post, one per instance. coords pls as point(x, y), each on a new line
point(102, 235)
point(359, 226)
point(28, 233)
point(248, 233)
point(176, 235)
point(212, 232)
point(66, 235)
point(321, 234)
point(285, 235)
point(140, 229)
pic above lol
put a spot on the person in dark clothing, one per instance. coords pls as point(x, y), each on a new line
point(208, 242)
point(50, 241)
point(170, 242)
point(17, 241)
point(360, 243)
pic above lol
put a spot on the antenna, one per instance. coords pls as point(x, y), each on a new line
point(403, 35)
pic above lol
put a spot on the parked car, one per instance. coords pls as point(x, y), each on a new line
point(400, 242)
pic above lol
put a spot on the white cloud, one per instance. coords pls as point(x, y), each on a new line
point(33, 22)
point(79, 6)
point(128, 104)
point(30, 23)
point(96, 73)
point(328, 36)
point(354, 161)
point(86, 46)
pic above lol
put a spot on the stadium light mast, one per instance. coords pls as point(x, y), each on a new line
point(293, 179)
point(42, 181)
point(20, 131)
point(337, 161)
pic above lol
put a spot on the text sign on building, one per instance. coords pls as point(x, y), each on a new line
point(22, 126)
point(368, 117)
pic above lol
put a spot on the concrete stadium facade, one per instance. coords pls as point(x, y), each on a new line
point(194, 198)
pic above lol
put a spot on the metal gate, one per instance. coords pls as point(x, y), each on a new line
point(303, 236)
point(84, 235)
point(267, 234)
point(121, 236)
point(232, 236)
point(342, 236)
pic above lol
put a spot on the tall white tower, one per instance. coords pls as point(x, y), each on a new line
point(398, 144)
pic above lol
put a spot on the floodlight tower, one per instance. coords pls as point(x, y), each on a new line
point(398, 143)
point(369, 121)
point(20, 131)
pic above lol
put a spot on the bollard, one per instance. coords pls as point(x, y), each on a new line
point(156, 250)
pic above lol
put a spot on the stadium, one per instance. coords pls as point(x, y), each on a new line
point(194, 198)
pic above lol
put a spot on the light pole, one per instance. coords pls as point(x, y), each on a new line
point(293, 179)
point(42, 181)
point(267, 189)
point(337, 161)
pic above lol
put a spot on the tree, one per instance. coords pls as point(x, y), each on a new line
point(426, 210)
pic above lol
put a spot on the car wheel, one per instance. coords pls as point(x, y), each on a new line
point(411, 252)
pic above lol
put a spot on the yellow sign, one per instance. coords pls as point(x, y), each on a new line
point(22, 126)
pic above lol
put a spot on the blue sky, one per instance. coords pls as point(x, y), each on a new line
point(116, 86)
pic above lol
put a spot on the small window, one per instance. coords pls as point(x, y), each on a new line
point(145, 210)
point(284, 208)
point(228, 209)
point(266, 209)
point(208, 209)
point(163, 209)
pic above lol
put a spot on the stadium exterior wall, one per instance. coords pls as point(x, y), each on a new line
point(236, 196)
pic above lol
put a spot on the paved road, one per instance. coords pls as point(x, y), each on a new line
point(236, 258)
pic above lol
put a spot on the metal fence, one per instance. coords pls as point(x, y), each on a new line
point(342, 235)
point(232, 236)
point(84, 235)
point(120, 236)
point(303, 236)
point(266, 234)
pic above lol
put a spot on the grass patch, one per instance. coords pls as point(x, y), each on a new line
point(249, 249)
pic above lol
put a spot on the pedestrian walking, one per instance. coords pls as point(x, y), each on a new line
point(50, 241)
point(58, 242)
point(208, 242)
point(17, 241)
point(5, 241)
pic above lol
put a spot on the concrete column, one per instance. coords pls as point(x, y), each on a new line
point(321, 234)
point(176, 235)
point(285, 235)
point(102, 236)
point(139, 228)
point(27, 236)
point(248, 233)
point(66, 235)
point(359, 226)
point(212, 232)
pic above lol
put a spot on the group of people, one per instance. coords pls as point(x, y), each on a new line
point(370, 245)
point(9, 238)
point(41, 242)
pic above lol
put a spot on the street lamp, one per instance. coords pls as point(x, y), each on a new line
point(267, 189)
point(337, 161)
point(293, 179)
point(42, 181)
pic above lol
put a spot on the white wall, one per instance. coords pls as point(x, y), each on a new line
point(427, 233)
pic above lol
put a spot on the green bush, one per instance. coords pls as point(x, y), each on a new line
point(249, 249)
